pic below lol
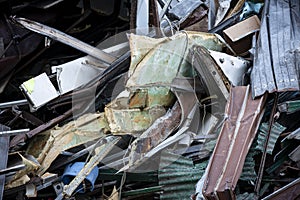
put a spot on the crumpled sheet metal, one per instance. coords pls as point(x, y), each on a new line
point(154, 135)
point(21, 177)
point(161, 64)
point(76, 73)
point(276, 130)
point(122, 119)
point(243, 116)
point(223, 8)
point(217, 12)
point(48, 145)
point(289, 106)
point(276, 62)
point(178, 175)
point(152, 96)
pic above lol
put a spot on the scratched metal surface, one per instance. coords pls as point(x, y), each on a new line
point(276, 61)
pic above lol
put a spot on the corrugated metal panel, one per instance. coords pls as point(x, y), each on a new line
point(248, 172)
point(276, 130)
point(276, 62)
point(246, 196)
point(289, 106)
point(178, 176)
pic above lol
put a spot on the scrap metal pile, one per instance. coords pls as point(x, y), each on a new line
point(147, 99)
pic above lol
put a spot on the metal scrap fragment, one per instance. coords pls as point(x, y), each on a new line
point(237, 133)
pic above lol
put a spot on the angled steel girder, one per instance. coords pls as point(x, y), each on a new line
point(237, 133)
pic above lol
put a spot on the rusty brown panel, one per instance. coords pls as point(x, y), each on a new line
point(156, 133)
point(243, 116)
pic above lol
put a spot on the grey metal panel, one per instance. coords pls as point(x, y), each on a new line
point(276, 62)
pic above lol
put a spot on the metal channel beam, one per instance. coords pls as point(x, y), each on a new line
point(237, 133)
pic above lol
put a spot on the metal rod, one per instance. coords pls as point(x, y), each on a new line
point(14, 103)
point(64, 38)
point(12, 169)
point(264, 155)
point(14, 132)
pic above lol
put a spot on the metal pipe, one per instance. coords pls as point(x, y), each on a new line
point(13, 103)
point(14, 132)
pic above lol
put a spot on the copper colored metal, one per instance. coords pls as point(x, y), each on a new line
point(243, 116)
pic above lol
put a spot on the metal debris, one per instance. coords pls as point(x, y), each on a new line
point(160, 107)
point(275, 57)
point(178, 175)
point(287, 192)
point(66, 39)
point(276, 130)
point(289, 106)
point(238, 131)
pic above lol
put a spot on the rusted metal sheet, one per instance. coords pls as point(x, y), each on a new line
point(159, 131)
point(154, 135)
point(197, 15)
point(276, 61)
point(21, 177)
point(122, 119)
point(289, 192)
point(21, 138)
point(152, 96)
point(48, 145)
point(243, 116)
